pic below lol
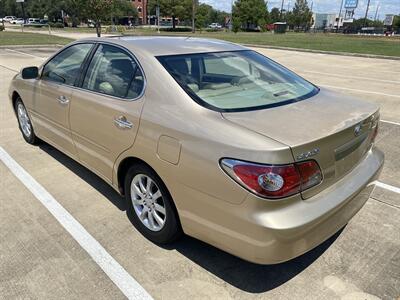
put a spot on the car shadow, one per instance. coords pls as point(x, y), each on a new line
point(241, 274)
point(95, 181)
point(244, 275)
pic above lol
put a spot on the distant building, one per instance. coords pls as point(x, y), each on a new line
point(326, 21)
point(141, 6)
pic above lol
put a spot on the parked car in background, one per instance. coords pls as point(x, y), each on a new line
point(91, 23)
point(33, 21)
point(208, 138)
point(215, 26)
point(17, 21)
point(9, 18)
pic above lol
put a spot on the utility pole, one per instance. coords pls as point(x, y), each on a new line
point(231, 24)
point(23, 10)
point(340, 13)
point(158, 16)
point(366, 13)
point(193, 15)
point(283, 1)
point(376, 12)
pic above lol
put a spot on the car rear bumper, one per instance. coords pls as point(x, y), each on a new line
point(267, 232)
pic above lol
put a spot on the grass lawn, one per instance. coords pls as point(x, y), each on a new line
point(389, 46)
point(25, 38)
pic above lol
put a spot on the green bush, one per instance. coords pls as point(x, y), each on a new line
point(56, 24)
point(177, 29)
point(213, 29)
point(1, 28)
point(236, 25)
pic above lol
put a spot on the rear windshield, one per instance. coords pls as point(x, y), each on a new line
point(237, 80)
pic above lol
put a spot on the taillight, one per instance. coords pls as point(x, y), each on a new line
point(273, 181)
point(310, 173)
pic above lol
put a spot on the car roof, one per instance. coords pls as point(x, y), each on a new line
point(167, 45)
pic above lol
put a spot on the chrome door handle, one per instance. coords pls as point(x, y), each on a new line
point(63, 100)
point(123, 123)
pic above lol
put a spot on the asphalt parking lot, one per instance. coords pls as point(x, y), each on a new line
point(39, 258)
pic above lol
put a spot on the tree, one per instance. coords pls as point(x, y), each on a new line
point(217, 16)
point(275, 15)
point(301, 15)
point(357, 24)
point(203, 15)
point(236, 25)
point(250, 12)
point(124, 8)
point(181, 9)
point(98, 11)
point(74, 9)
point(396, 22)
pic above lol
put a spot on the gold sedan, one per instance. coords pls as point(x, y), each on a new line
point(206, 138)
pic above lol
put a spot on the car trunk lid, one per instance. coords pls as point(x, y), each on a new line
point(332, 129)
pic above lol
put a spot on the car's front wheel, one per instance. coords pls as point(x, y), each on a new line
point(149, 205)
point(25, 124)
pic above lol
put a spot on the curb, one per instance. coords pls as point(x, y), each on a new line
point(325, 52)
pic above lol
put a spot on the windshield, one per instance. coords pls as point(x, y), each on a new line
point(236, 81)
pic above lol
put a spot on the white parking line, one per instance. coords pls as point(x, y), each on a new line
point(125, 282)
point(390, 122)
point(347, 76)
point(360, 91)
point(13, 70)
point(28, 54)
point(388, 187)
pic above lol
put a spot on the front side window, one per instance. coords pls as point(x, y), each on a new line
point(65, 67)
point(113, 72)
point(236, 81)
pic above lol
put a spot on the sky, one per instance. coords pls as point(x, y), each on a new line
point(326, 6)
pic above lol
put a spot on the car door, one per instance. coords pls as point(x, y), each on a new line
point(55, 88)
point(105, 113)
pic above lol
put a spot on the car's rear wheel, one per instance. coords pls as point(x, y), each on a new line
point(25, 124)
point(149, 205)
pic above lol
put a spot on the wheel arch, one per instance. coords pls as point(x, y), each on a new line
point(15, 96)
point(123, 168)
point(122, 171)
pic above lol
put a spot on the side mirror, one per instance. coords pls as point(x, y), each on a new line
point(30, 73)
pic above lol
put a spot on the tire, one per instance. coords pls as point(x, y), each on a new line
point(24, 123)
point(153, 203)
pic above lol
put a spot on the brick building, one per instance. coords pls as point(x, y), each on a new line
point(141, 6)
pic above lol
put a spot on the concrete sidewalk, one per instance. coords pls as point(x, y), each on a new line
point(69, 35)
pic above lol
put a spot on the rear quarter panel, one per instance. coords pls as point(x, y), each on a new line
point(205, 137)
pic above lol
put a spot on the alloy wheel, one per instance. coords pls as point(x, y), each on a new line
point(148, 202)
point(23, 120)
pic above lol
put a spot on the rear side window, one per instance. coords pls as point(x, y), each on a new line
point(65, 67)
point(113, 72)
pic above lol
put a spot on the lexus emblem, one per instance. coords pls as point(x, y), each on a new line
point(357, 130)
